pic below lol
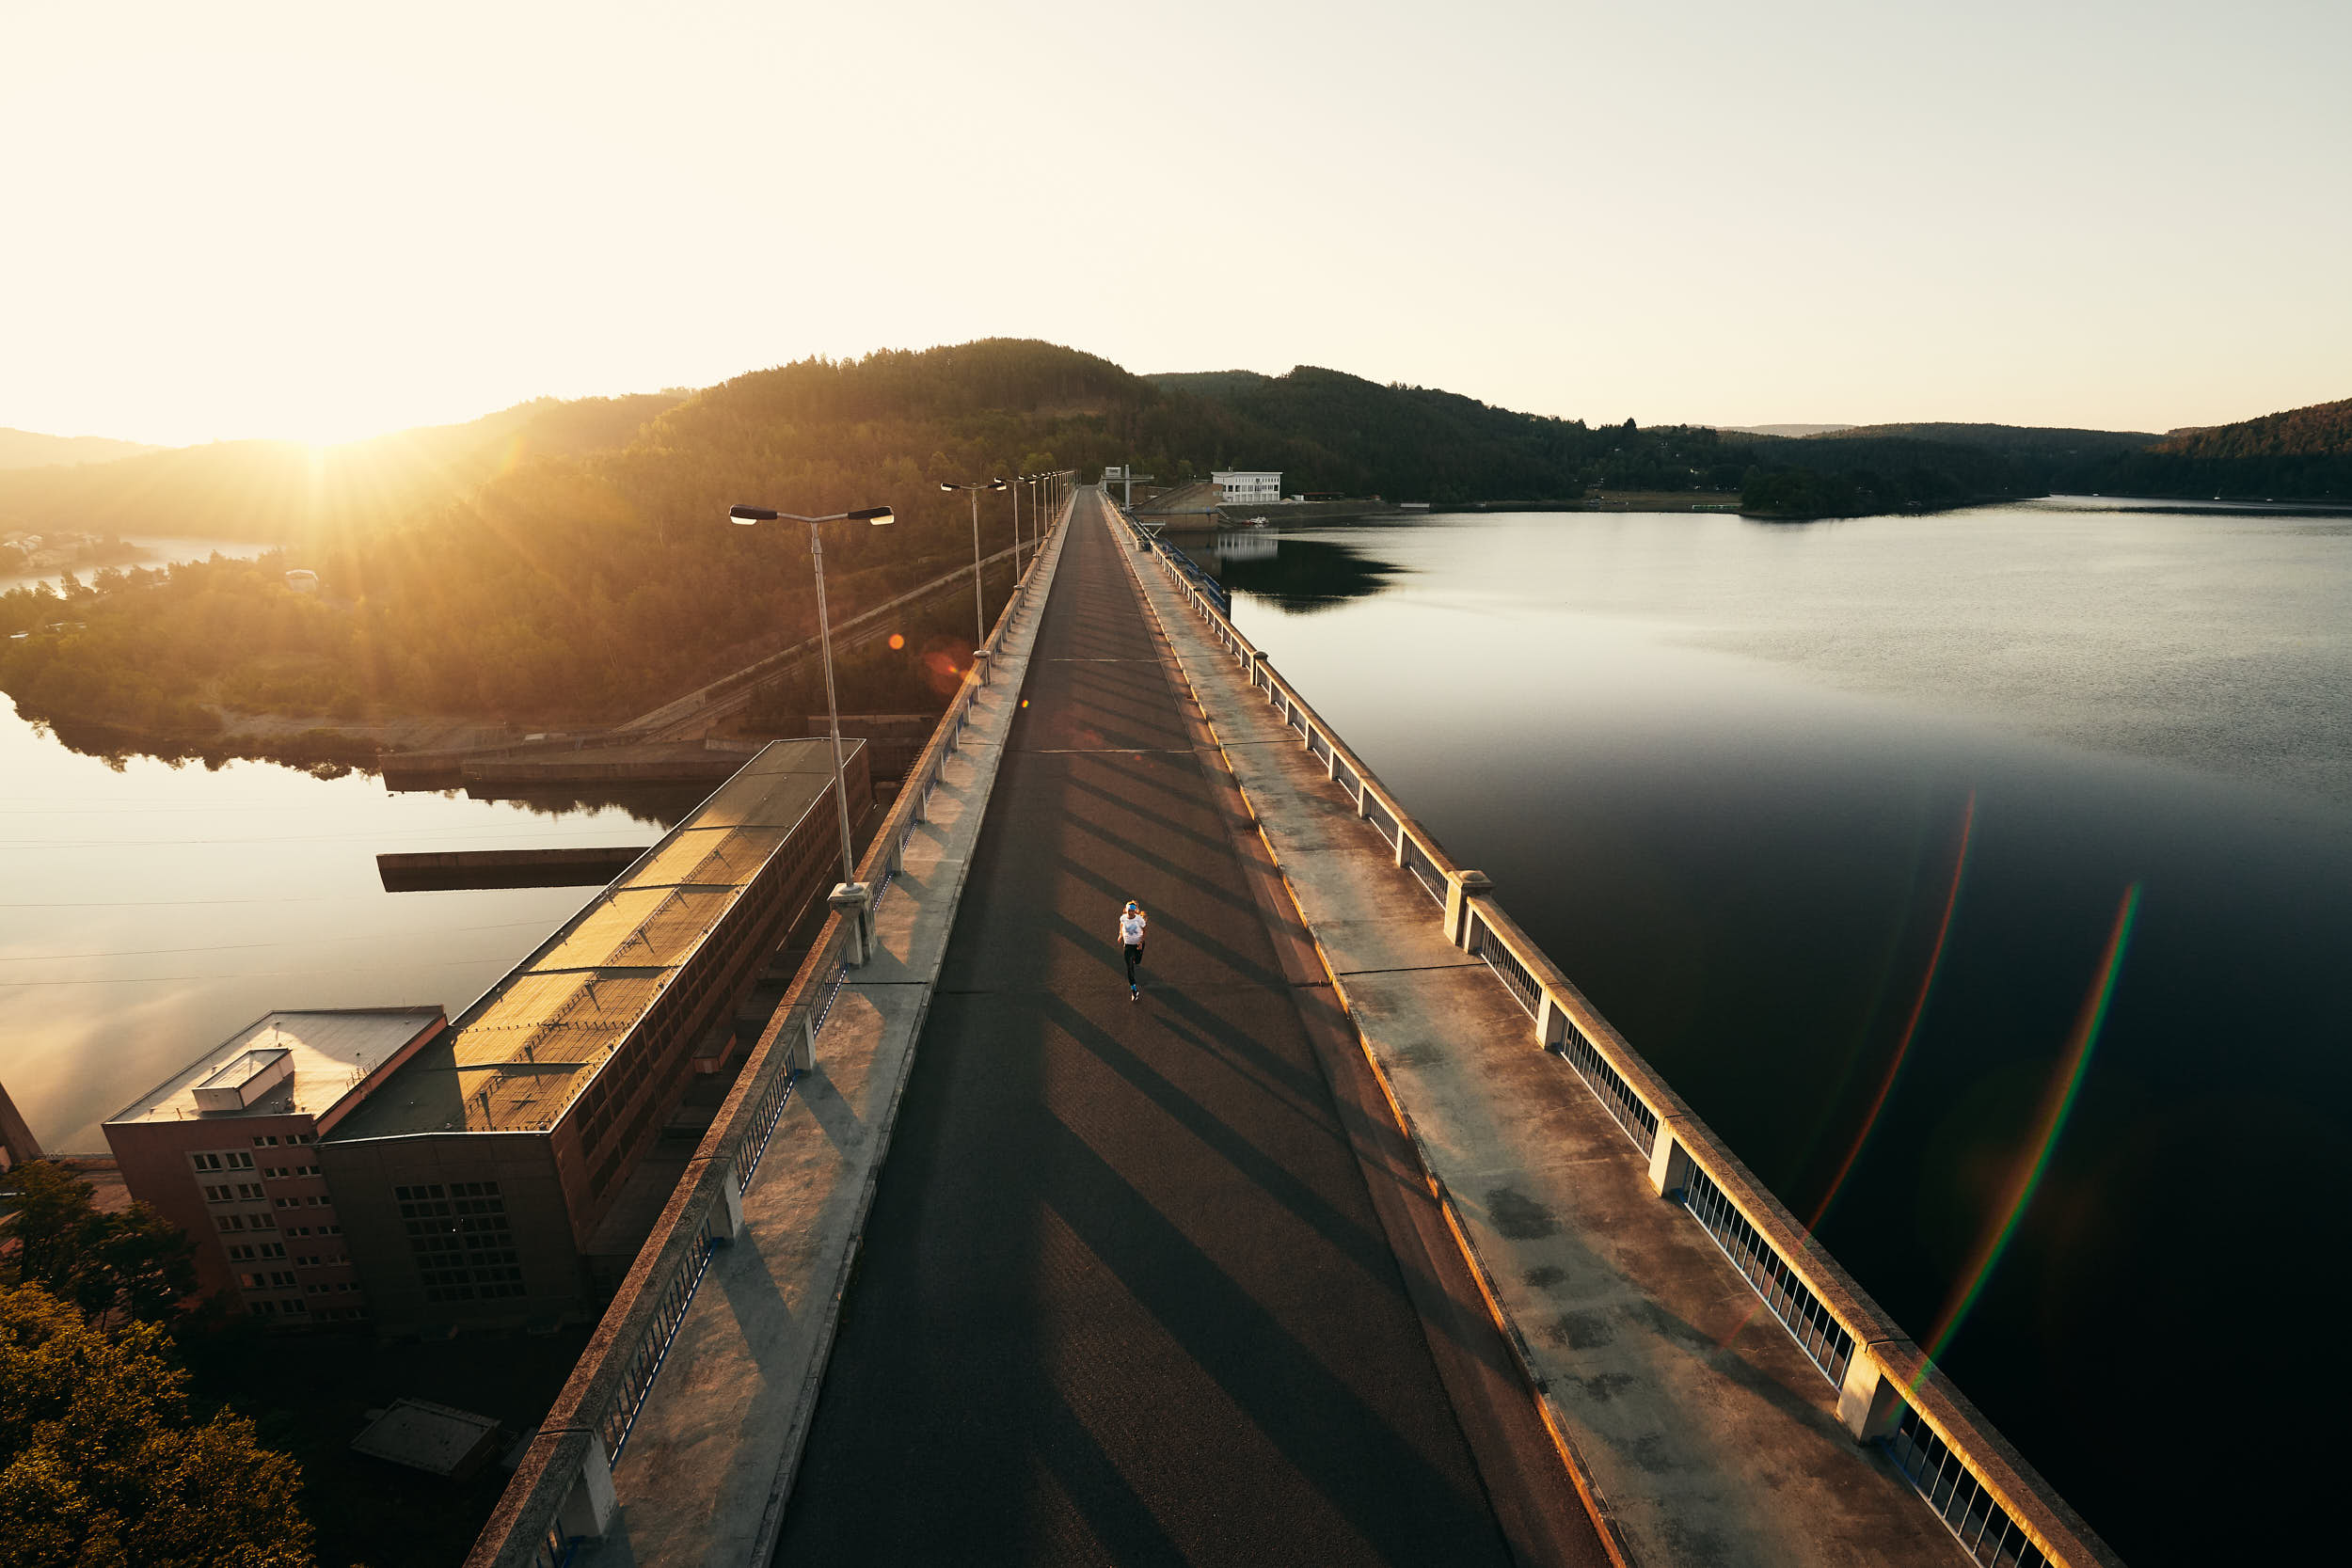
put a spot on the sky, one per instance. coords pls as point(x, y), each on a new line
point(328, 221)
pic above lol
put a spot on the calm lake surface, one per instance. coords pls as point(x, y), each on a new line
point(1812, 810)
point(148, 911)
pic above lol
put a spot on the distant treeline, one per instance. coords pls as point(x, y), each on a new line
point(572, 561)
point(515, 568)
point(2304, 454)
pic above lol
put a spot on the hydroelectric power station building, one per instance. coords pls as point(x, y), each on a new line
point(466, 1167)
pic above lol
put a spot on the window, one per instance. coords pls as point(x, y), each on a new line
point(205, 1162)
point(273, 1249)
point(330, 1230)
point(463, 1242)
point(230, 1222)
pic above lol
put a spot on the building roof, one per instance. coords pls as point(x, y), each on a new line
point(516, 1058)
point(330, 1052)
point(422, 1435)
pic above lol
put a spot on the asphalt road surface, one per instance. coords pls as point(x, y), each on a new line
point(1124, 1295)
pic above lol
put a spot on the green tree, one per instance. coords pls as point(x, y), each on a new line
point(104, 1465)
point(134, 1265)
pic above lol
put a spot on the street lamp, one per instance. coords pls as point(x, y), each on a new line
point(979, 615)
point(880, 516)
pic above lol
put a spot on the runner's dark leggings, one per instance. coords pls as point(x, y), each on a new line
point(1134, 956)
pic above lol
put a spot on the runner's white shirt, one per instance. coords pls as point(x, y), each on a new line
point(1131, 928)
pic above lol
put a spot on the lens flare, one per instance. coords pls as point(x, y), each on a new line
point(1911, 1025)
point(2058, 1104)
point(898, 639)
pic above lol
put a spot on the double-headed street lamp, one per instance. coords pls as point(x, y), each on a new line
point(979, 615)
point(880, 516)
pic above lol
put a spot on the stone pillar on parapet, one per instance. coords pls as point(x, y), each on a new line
point(1459, 890)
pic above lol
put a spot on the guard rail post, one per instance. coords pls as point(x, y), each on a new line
point(1669, 1164)
point(1460, 889)
point(588, 1508)
point(1869, 1403)
point(854, 902)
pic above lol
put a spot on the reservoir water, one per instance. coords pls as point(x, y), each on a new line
point(1984, 879)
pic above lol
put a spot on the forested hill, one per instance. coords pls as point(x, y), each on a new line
point(304, 495)
point(25, 448)
point(2301, 455)
point(1330, 431)
point(499, 569)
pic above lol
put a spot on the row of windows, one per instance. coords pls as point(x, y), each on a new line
point(242, 1192)
point(265, 1249)
point(270, 1141)
point(339, 1287)
point(269, 1308)
point(321, 1261)
point(277, 1279)
point(341, 1314)
point(231, 1159)
point(314, 1230)
point(429, 1246)
point(245, 1222)
point(282, 1172)
point(452, 1189)
point(472, 1292)
point(316, 1200)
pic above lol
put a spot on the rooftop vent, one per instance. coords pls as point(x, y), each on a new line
point(240, 1084)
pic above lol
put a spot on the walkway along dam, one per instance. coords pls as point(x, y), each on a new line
point(1361, 1237)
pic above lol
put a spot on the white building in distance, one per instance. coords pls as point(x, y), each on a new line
point(1248, 487)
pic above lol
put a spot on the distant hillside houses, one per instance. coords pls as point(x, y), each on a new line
point(1246, 487)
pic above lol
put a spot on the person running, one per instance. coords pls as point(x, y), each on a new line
point(1131, 924)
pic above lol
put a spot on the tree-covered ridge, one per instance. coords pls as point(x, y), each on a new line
point(27, 449)
point(589, 584)
point(2322, 430)
point(294, 492)
point(1838, 476)
point(1326, 430)
point(2301, 455)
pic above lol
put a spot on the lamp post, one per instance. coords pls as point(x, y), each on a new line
point(979, 615)
point(880, 516)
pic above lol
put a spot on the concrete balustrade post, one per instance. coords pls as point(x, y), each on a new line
point(1459, 890)
point(589, 1506)
point(727, 1217)
point(801, 1051)
point(855, 900)
point(980, 665)
point(1669, 1164)
point(1551, 1024)
point(898, 853)
point(1869, 1403)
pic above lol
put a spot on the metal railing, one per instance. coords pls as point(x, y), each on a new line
point(588, 1428)
point(1985, 1530)
point(1800, 1311)
point(1991, 1499)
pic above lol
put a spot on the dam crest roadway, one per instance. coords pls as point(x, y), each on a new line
point(1358, 1236)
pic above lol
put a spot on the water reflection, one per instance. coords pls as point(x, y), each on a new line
point(1297, 576)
